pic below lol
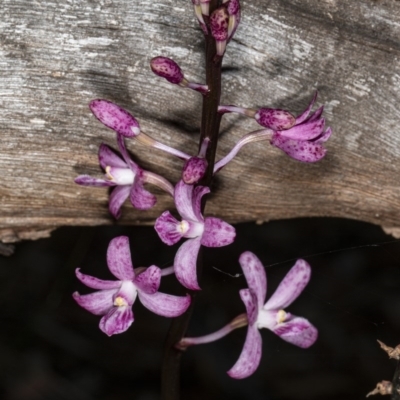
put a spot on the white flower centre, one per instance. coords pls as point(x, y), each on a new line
point(183, 227)
point(269, 319)
point(121, 176)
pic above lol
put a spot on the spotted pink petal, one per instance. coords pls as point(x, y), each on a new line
point(98, 303)
point(115, 117)
point(193, 170)
point(249, 299)
point(306, 131)
point(219, 22)
point(95, 283)
point(217, 233)
point(167, 228)
point(255, 275)
point(117, 198)
point(165, 305)
point(107, 157)
point(140, 197)
point(297, 331)
point(183, 197)
point(185, 263)
point(119, 259)
point(250, 356)
point(309, 152)
point(302, 117)
point(167, 68)
point(117, 320)
point(290, 287)
point(86, 180)
point(149, 280)
point(198, 193)
point(275, 119)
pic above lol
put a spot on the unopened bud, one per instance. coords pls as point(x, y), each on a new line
point(193, 170)
point(167, 68)
point(219, 23)
point(115, 117)
point(233, 8)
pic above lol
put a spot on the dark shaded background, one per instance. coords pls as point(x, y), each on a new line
point(50, 348)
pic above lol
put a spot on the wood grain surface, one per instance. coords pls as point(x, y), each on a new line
point(55, 56)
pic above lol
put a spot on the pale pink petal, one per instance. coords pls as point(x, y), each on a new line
point(95, 283)
point(306, 112)
point(183, 197)
point(255, 275)
point(306, 131)
point(117, 198)
point(249, 299)
point(250, 356)
point(325, 136)
point(198, 193)
point(163, 304)
point(167, 227)
point(86, 180)
point(115, 117)
point(98, 303)
point(316, 115)
point(149, 280)
point(217, 233)
point(140, 197)
point(107, 157)
point(119, 259)
point(185, 263)
point(291, 286)
point(299, 150)
point(297, 331)
point(122, 148)
point(117, 320)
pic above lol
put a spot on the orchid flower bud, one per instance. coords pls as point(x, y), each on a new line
point(171, 71)
point(233, 8)
point(193, 170)
point(271, 118)
point(219, 23)
point(201, 7)
point(168, 69)
point(115, 117)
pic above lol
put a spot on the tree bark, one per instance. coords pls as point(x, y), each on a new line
point(57, 56)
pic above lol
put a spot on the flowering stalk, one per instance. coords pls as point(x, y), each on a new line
point(210, 122)
point(238, 322)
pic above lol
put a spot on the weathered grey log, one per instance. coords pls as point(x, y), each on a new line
point(55, 56)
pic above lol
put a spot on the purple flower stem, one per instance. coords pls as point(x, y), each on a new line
point(256, 136)
point(238, 322)
point(167, 271)
point(149, 141)
point(210, 122)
